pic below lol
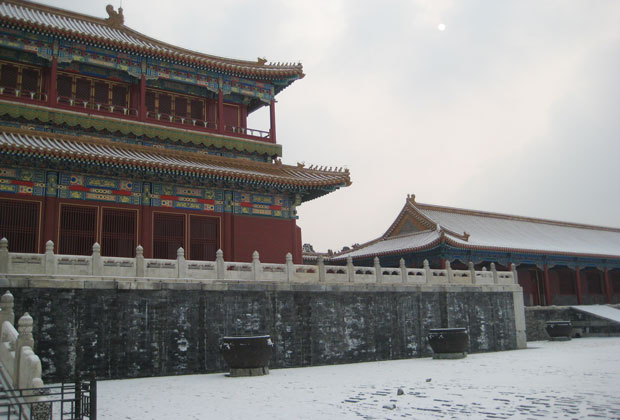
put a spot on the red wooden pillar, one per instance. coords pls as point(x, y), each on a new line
point(442, 261)
point(220, 111)
point(50, 222)
point(272, 120)
point(548, 299)
point(579, 294)
point(227, 237)
point(142, 110)
point(607, 285)
point(52, 95)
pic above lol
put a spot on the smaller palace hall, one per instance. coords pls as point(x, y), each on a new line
point(558, 263)
point(109, 136)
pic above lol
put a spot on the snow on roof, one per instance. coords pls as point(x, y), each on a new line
point(497, 231)
point(415, 241)
point(602, 311)
point(482, 230)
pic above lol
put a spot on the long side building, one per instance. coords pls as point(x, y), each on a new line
point(558, 263)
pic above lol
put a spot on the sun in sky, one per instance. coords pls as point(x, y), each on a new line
point(441, 27)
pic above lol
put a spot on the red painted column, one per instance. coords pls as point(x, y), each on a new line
point(548, 298)
point(142, 110)
point(272, 120)
point(52, 95)
point(607, 285)
point(579, 294)
point(220, 111)
point(228, 236)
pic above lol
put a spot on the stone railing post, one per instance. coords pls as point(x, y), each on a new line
point(427, 271)
point(6, 306)
point(139, 261)
point(403, 270)
point(4, 255)
point(256, 266)
point(378, 273)
point(50, 258)
point(350, 269)
point(181, 264)
point(449, 274)
point(472, 272)
point(322, 270)
point(24, 338)
point(494, 271)
point(290, 267)
point(515, 276)
point(96, 262)
point(220, 267)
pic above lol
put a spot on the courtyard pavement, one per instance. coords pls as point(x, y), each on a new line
point(577, 379)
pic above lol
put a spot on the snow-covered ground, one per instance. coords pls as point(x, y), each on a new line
point(575, 379)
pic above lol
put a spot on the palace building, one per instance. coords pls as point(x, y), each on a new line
point(558, 263)
point(109, 136)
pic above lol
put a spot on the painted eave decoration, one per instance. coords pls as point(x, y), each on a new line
point(310, 183)
point(423, 226)
point(113, 33)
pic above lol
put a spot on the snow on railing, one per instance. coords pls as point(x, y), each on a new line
point(50, 264)
point(21, 365)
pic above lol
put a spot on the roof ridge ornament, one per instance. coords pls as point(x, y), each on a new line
point(115, 18)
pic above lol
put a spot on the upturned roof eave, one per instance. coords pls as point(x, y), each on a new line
point(259, 69)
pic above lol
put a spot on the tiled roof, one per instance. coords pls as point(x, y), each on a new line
point(79, 148)
point(65, 23)
point(410, 242)
point(495, 232)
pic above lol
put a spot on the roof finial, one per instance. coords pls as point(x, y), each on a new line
point(115, 18)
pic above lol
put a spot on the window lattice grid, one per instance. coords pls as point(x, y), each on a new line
point(101, 93)
point(197, 110)
point(19, 223)
point(8, 76)
point(77, 230)
point(119, 95)
point(64, 85)
point(203, 241)
point(168, 235)
point(30, 80)
point(180, 106)
point(165, 104)
point(150, 101)
point(82, 89)
point(118, 233)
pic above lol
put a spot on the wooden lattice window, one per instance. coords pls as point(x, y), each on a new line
point(119, 95)
point(82, 89)
point(616, 285)
point(19, 224)
point(8, 77)
point(78, 226)
point(594, 283)
point(101, 93)
point(180, 106)
point(567, 284)
point(118, 233)
point(165, 104)
point(30, 80)
point(150, 101)
point(197, 110)
point(203, 238)
point(64, 85)
point(168, 235)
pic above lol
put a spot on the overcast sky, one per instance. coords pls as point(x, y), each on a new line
point(513, 108)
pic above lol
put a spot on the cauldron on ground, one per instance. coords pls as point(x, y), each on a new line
point(448, 343)
point(247, 356)
point(559, 330)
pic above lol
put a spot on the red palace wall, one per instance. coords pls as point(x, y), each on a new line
point(239, 236)
point(272, 238)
